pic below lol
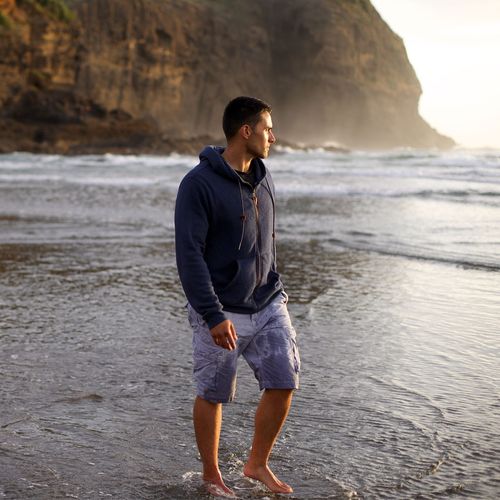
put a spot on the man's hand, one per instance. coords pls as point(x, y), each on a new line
point(224, 335)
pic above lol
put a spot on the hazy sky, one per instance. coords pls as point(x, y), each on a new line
point(454, 46)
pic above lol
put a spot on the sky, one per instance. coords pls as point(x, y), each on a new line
point(454, 47)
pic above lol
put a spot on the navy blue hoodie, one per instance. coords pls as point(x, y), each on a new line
point(225, 238)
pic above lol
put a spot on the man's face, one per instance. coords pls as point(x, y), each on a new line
point(262, 137)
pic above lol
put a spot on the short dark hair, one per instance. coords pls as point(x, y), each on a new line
point(242, 111)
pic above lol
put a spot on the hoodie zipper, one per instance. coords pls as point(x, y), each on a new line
point(257, 260)
point(255, 203)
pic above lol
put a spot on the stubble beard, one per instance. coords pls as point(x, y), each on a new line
point(262, 154)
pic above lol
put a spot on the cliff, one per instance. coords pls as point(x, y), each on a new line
point(154, 75)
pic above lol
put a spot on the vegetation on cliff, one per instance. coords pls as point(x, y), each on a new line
point(5, 21)
point(57, 8)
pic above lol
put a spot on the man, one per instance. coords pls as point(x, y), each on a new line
point(226, 257)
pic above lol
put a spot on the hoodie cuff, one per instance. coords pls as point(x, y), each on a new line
point(214, 319)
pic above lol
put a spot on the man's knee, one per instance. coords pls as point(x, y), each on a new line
point(201, 401)
point(280, 393)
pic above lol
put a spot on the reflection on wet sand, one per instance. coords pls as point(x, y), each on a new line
point(309, 270)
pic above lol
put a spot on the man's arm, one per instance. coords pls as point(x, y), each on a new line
point(192, 211)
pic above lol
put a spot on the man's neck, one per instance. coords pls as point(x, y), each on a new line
point(239, 161)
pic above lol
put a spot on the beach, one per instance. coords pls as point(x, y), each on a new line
point(391, 261)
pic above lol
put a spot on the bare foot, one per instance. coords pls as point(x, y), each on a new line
point(217, 488)
point(264, 474)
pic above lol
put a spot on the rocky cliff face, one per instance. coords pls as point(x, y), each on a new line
point(148, 73)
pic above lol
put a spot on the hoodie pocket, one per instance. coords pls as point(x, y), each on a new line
point(240, 288)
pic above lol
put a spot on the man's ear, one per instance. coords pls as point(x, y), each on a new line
point(246, 131)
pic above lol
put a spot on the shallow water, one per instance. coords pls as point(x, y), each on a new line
point(391, 263)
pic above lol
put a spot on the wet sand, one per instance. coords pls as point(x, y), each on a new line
point(399, 389)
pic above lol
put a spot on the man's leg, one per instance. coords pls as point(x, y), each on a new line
point(269, 418)
point(275, 360)
point(207, 418)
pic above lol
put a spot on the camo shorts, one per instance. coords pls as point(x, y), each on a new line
point(267, 341)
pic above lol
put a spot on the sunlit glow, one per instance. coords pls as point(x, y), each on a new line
point(454, 47)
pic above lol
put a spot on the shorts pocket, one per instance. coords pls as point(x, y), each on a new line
point(215, 374)
point(206, 357)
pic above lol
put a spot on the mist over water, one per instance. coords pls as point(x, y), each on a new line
point(391, 261)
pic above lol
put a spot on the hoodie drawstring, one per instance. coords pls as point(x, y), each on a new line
point(274, 221)
point(243, 216)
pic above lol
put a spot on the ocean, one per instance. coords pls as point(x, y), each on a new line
point(392, 264)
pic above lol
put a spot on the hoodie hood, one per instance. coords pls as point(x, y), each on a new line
point(213, 154)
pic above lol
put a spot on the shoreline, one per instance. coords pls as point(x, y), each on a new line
point(119, 136)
